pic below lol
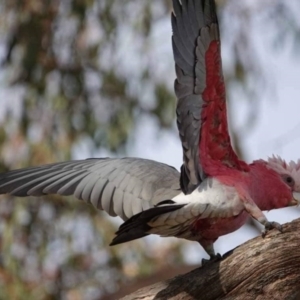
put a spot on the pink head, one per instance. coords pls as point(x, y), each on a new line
point(275, 183)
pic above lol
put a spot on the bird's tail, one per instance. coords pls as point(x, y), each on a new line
point(137, 226)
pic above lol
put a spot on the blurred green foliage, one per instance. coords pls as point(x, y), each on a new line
point(64, 77)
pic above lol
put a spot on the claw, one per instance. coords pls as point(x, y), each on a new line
point(213, 258)
point(269, 226)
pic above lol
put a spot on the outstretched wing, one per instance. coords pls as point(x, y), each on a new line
point(122, 187)
point(199, 87)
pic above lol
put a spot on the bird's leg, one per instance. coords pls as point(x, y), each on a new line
point(258, 215)
point(270, 225)
point(209, 248)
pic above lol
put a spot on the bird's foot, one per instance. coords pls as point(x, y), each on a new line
point(269, 226)
point(213, 258)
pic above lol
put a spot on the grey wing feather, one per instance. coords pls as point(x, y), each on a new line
point(122, 187)
point(194, 24)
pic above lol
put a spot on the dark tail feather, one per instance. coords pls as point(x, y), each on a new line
point(137, 226)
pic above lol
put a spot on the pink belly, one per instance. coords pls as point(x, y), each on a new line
point(211, 229)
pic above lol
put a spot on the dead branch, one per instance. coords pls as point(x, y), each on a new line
point(261, 269)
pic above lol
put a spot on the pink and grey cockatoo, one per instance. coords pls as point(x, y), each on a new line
point(215, 192)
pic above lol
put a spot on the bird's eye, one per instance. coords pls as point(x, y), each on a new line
point(288, 180)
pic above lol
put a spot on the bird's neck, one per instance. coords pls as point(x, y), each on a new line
point(266, 187)
point(262, 184)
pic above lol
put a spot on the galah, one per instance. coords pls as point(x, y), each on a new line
point(215, 192)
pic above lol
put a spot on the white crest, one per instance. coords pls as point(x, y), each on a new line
point(281, 166)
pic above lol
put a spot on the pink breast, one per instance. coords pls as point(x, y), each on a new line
point(213, 228)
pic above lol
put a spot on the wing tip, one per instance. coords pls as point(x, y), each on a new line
point(137, 226)
point(124, 237)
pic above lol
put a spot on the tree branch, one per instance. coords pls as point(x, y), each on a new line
point(262, 269)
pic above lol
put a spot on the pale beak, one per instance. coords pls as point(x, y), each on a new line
point(296, 200)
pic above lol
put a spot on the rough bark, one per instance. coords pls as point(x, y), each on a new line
point(261, 269)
